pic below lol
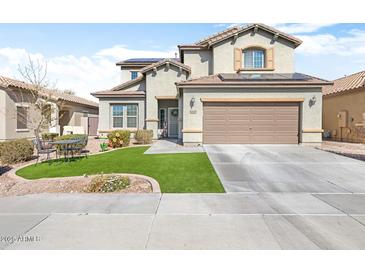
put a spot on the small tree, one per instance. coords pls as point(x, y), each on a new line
point(43, 99)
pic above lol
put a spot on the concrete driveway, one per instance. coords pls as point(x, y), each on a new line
point(285, 168)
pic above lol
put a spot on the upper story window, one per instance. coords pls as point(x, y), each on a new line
point(134, 75)
point(254, 58)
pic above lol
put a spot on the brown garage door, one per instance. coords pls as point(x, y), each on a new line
point(250, 123)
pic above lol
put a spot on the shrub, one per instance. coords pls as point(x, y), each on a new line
point(49, 136)
point(82, 137)
point(119, 138)
point(16, 151)
point(108, 183)
point(143, 136)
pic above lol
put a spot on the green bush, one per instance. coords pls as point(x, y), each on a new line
point(49, 136)
point(143, 136)
point(16, 151)
point(119, 138)
point(108, 183)
point(82, 137)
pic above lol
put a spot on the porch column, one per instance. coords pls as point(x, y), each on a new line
point(180, 118)
point(152, 115)
point(54, 126)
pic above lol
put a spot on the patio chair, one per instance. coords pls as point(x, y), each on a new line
point(42, 148)
point(79, 147)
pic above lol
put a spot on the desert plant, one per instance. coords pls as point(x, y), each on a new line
point(103, 146)
point(119, 138)
point(108, 183)
point(16, 151)
point(143, 136)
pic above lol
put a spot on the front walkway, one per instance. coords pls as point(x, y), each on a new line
point(171, 146)
point(183, 221)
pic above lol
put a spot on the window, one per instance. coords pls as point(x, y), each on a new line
point(162, 118)
point(254, 58)
point(131, 116)
point(21, 117)
point(134, 74)
point(118, 116)
point(125, 116)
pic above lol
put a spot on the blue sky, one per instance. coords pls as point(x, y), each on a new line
point(82, 57)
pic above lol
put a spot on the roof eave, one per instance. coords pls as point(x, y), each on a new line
point(253, 84)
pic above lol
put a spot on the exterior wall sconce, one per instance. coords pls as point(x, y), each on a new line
point(192, 102)
point(312, 101)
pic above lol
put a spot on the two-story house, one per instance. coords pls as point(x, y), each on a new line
point(238, 86)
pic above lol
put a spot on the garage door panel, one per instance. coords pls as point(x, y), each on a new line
point(251, 123)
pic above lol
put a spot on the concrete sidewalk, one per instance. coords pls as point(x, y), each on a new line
point(184, 221)
point(171, 146)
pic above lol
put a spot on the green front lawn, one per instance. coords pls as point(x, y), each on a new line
point(190, 172)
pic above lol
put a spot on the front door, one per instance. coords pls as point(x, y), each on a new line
point(173, 125)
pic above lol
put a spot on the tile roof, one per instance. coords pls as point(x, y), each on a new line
point(120, 89)
point(165, 61)
point(220, 36)
point(347, 83)
point(128, 83)
point(247, 79)
point(119, 93)
point(141, 61)
point(56, 95)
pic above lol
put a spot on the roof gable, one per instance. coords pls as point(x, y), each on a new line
point(166, 62)
point(234, 31)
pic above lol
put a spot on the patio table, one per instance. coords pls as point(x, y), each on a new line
point(66, 144)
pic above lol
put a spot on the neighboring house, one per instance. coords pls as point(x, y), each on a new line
point(344, 108)
point(238, 86)
point(16, 112)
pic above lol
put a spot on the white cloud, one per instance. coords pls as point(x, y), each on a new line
point(83, 74)
point(350, 45)
point(300, 27)
point(121, 52)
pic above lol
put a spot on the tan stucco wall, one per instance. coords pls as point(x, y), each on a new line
point(223, 53)
point(8, 116)
point(310, 117)
point(161, 83)
point(105, 115)
point(200, 62)
point(354, 104)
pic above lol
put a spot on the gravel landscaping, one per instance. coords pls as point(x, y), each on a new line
point(12, 187)
point(352, 150)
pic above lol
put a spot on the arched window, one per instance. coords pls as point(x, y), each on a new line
point(253, 58)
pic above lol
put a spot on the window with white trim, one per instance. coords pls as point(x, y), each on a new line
point(21, 117)
point(134, 75)
point(254, 58)
point(125, 115)
point(132, 114)
point(117, 116)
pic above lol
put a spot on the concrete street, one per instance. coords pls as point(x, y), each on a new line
point(278, 197)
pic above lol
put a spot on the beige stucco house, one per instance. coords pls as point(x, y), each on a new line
point(344, 108)
point(17, 113)
point(236, 86)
